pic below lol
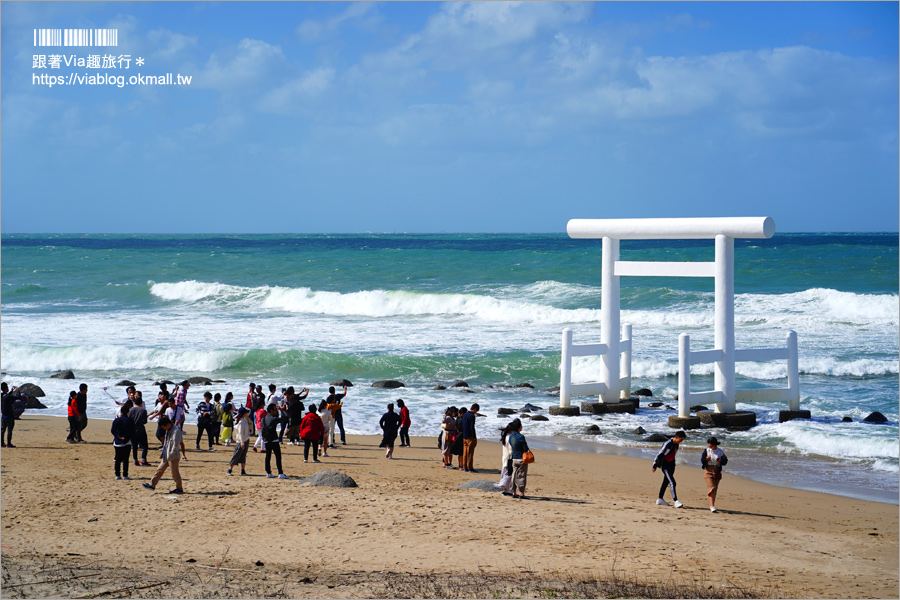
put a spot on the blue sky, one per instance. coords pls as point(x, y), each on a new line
point(454, 117)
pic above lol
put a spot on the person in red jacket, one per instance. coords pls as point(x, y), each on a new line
point(404, 424)
point(74, 417)
point(311, 431)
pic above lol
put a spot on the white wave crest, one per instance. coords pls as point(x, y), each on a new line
point(18, 357)
point(371, 303)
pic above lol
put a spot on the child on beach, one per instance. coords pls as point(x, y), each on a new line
point(260, 444)
point(712, 460)
point(227, 420)
point(665, 460)
point(327, 422)
point(241, 440)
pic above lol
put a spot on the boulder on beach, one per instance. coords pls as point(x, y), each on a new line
point(655, 404)
point(505, 411)
point(388, 384)
point(539, 418)
point(591, 430)
point(163, 381)
point(199, 380)
point(698, 408)
point(31, 390)
point(125, 382)
point(846, 420)
point(341, 383)
point(875, 417)
point(656, 437)
point(63, 375)
point(530, 406)
point(639, 431)
point(466, 390)
point(439, 387)
point(642, 392)
point(460, 384)
point(329, 479)
point(555, 388)
point(481, 484)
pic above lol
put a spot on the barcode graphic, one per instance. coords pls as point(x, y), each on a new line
point(76, 37)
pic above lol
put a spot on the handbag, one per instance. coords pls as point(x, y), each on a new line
point(527, 457)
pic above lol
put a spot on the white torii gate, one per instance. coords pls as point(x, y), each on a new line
point(723, 231)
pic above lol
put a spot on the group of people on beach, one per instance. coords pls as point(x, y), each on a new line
point(223, 421)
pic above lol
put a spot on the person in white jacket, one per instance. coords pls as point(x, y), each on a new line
point(241, 440)
point(506, 457)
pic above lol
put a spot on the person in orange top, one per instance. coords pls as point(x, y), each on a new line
point(74, 417)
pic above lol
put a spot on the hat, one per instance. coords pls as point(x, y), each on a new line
point(713, 441)
point(243, 411)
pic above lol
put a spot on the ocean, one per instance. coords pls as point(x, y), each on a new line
point(432, 309)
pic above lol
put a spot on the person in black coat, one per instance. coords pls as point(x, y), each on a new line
point(390, 425)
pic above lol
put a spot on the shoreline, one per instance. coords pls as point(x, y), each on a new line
point(800, 472)
point(408, 515)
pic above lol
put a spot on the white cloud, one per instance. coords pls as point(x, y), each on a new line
point(295, 95)
point(169, 44)
point(313, 30)
point(250, 62)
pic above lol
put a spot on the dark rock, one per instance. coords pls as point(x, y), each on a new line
point(875, 417)
point(846, 420)
point(655, 404)
point(539, 418)
point(329, 479)
point(63, 375)
point(656, 437)
point(388, 384)
point(165, 381)
point(530, 406)
point(505, 411)
point(592, 430)
point(126, 382)
point(466, 390)
point(555, 388)
point(33, 403)
point(341, 383)
point(31, 390)
point(260, 563)
point(698, 407)
point(642, 392)
point(525, 410)
point(524, 385)
point(199, 380)
point(439, 387)
point(481, 484)
point(670, 407)
point(639, 431)
point(219, 381)
point(525, 416)
point(460, 384)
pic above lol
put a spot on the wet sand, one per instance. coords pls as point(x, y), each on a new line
point(586, 513)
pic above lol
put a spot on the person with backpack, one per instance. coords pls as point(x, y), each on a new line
point(270, 433)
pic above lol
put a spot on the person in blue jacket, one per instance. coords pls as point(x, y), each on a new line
point(665, 460)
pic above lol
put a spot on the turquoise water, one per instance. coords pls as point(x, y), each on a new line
point(431, 309)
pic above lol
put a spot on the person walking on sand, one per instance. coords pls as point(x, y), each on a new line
point(470, 439)
point(665, 460)
point(390, 425)
point(517, 447)
point(122, 430)
point(74, 417)
point(241, 440)
point(138, 416)
point(82, 410)
point(204, 420)
point(404, 424)
point(448, 429)
point(172, 452)
point(338, 416)
point(712, 460)
point(311, 431)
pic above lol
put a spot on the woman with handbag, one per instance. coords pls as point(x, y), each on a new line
point(506, 467)
point(521, 457)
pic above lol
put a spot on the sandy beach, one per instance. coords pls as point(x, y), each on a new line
point(64, 514)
